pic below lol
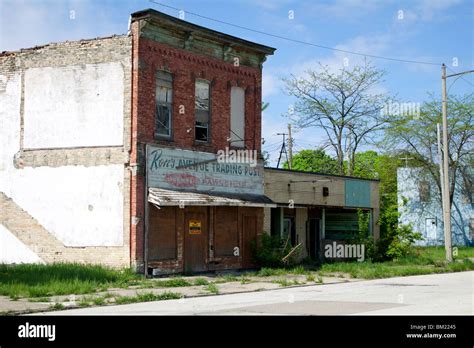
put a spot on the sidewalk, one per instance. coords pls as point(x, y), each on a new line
point(129, 295)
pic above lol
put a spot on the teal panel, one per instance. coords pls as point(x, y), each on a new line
point(357, 193)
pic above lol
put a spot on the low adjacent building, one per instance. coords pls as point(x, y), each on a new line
point(317, 209)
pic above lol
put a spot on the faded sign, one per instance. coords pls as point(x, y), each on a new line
point(194, 227)
point(201, 171)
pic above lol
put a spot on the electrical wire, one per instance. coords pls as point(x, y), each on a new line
point(294, 40)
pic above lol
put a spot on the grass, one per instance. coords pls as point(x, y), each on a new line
point(169, 283)
point(201, 281)
point(245, 280)
point(423, 260)
point(38, 282)
point(39, 299)
point(58, 306)
point(286, 282)
point(148, 297)
point(33, 280)
point(269, 272)
point(212, 288)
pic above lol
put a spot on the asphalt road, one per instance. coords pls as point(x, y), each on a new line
point(443, 294)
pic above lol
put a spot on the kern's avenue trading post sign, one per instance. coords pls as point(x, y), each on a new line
point(182, 170)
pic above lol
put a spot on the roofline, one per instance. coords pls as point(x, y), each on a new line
point(249, 44)
point(38, 47)
point(320, 174)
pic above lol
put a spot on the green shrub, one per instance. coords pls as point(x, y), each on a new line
point(271, 251)
point(401, 244)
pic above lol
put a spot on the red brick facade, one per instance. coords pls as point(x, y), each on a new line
point(149, 56)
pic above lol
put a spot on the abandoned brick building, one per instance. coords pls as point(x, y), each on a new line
point(109, 149)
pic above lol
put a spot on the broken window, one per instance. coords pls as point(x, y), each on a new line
point(202, 110)
point(424, 191)
point(164, 92)
point(237, 116)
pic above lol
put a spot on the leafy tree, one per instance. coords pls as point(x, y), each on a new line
point(418, 136)
point(366, 165)
point(343, 105)
point(314, 161)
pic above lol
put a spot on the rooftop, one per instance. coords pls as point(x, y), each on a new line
point(203, 31)
point(319, 174)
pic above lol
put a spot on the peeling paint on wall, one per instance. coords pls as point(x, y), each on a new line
point(81, 206)
point(421, 215)
point(80, 105)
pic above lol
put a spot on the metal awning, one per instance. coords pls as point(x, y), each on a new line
point(163, 197)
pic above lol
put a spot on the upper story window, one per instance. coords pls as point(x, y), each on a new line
point(202, 110)
point(237, 117)
point(164, 95)
point(424, 191)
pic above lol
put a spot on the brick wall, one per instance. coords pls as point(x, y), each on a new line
point(185, 66)
point(13, 216)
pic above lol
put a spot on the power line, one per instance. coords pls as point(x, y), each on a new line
point(460, 76)
point(296, 41)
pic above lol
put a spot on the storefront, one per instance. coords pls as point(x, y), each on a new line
point(314, 210)
point(202, 214)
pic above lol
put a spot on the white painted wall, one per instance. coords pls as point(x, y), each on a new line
point(72, 106)
point(12, 250)
point(81, 206)
point(10, 121)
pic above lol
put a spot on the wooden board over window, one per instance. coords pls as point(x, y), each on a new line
point(226, 231)
point(162, 234)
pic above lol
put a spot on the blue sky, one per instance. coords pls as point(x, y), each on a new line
point(431, 30)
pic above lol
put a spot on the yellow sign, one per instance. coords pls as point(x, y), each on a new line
point(194, 227)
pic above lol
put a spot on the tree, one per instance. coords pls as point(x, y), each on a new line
point(343, 104)
point(418, 136)
point(366, 165)
point(314, 161)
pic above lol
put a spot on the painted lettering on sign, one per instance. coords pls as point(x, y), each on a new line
point(199, 171)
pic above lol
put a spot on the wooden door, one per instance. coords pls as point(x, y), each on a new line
point(249, 225)
point(195, 241)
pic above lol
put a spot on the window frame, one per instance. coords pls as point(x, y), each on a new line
point(199, 80)
point(234, 142)
point(168, 104)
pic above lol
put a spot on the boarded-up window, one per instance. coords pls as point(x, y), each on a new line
point(202, 110)
point(162, 234)
point(226, 232)
point(164, 93)
point(424, 191)
point(237, 116)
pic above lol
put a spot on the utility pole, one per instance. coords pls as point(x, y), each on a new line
point(445, 184)
point(440, 159)
point(282, 149)
point(445, 190)
point(290, 148)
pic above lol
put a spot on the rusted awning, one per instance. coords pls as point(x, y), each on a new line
point(163, 197)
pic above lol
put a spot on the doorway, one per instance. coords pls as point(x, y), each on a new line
point(289, 230)
point(195, 240)
point(249, 224)
point(314, 242)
